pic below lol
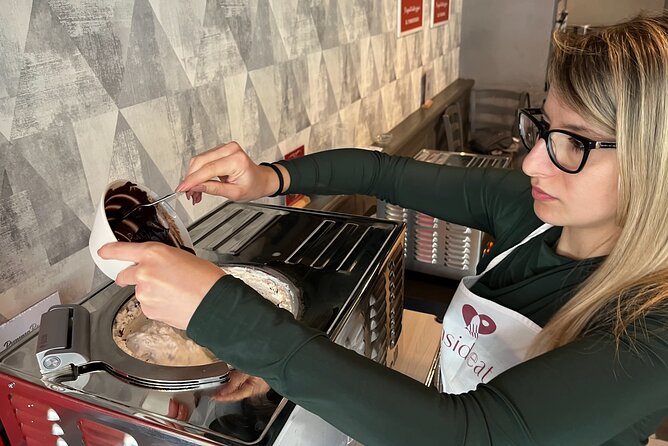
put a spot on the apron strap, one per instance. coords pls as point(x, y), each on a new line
point(496, 260)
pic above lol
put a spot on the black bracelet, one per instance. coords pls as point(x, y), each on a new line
point(280, 179)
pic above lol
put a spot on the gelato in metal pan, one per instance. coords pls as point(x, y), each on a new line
point(158, 343)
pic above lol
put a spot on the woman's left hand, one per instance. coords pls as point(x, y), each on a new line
point(241, 386)
point(170, 282)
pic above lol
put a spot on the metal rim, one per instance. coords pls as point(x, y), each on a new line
point(136, 371)
point(161, 377)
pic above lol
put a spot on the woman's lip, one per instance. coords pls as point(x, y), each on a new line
point(540, 195)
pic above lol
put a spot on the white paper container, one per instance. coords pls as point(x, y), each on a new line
point(101, 233)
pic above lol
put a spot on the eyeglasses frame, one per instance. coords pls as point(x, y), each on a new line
point(544, 133)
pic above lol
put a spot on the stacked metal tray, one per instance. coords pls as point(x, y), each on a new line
point(435, 246)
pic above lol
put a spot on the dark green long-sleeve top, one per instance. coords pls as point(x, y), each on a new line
point(585, 393)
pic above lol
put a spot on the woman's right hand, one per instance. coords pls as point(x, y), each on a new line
point(229, 172)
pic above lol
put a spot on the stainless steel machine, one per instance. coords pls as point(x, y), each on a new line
point(73, 385)
point(439, 247)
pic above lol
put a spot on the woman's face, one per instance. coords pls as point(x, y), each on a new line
point(587, 199)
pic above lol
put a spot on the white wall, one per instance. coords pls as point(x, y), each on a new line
point(607, 12)
point(506, 44)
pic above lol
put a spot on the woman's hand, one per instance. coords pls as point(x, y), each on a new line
point(229, 172)
point(241, 386)
point(170, 283)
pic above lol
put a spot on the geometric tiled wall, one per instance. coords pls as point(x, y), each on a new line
point(97, 90)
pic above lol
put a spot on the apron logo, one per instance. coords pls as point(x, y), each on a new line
point(477, 324)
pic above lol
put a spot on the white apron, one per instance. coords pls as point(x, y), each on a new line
point(481, 338)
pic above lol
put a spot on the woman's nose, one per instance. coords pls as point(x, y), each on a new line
point(538, 162)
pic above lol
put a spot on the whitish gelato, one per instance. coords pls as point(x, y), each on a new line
point(155, 342)
point(270, 287)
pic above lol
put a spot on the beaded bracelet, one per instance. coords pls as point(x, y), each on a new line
point(280, 179)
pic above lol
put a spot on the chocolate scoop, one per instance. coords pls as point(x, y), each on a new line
point(144, 224)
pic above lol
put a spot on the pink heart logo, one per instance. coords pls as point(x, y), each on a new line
point(476, 323)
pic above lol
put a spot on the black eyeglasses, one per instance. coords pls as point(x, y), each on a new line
point(567, 150)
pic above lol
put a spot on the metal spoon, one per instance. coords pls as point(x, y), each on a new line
point(153, 203)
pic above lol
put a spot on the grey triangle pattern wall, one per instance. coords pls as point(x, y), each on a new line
point(97, 90)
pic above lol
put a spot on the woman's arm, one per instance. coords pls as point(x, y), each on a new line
point(468, 196)
point(583, 393)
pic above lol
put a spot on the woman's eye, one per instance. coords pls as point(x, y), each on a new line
point(574, 144)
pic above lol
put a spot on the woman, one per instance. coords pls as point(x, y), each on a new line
point(581, 252)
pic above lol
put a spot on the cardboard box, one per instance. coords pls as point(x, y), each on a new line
point(22, 325)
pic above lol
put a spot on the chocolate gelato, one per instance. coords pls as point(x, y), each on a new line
point(150, 223)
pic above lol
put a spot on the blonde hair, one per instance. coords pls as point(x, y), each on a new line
point(617, 79)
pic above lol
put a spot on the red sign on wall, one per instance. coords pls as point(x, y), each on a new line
point(410, 16)
point(440, 12)
point(290, 199)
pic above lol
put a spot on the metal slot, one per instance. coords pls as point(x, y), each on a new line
point(456, 254)
point(394, 212)
point(456, 249)
point(237, 242)
point(333, 246)
point(382, 356)
point(458, 245)
point(349, 262)
point(427, 250)
point(463, 263)
point(457, 238)
point(307, 245)
point(483, 162)
point(425, 259)
point(396, 262)
point(426, 234)
point(377, 292)
point(316, 250)
point(377, 312)
point(397, 286)
point(231, 225)
point(457, 229)
point(244, 222)
point(396, 320)
point(209, 226)
point(377, 322)
point(395, 306)
point(454, 245)
point(379, 336)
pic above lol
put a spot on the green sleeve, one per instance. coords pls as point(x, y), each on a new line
point(478, 198)
point(582, 394)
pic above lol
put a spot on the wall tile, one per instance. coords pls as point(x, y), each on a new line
point(182, 22)
point(56, 83)
point(101, 32)
point(95, 139)
point(296, 26)
point(15, 18)
point(93, 91)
